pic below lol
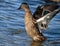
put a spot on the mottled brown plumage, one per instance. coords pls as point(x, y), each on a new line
point(31, 27)
point(30, 20)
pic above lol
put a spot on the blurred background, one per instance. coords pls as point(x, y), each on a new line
point(12, 28)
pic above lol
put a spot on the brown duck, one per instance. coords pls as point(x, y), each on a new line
point(31, 26)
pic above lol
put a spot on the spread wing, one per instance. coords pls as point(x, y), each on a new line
point(38, 13)
point(44, 21)
point(44, 11)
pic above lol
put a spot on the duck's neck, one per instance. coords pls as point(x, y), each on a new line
point(27, 10)
point(28, 17)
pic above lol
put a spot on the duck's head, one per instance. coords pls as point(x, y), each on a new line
point(23, 6)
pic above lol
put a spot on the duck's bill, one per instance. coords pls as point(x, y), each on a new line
point(44, 21)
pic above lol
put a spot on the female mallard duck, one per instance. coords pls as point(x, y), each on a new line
point(31, 27)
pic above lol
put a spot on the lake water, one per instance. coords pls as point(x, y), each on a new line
point(12, 28)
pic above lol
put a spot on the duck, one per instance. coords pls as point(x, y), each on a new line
point(30, 26)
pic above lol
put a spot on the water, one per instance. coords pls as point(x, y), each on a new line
point(12, 28)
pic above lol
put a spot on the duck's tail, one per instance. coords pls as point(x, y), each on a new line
point(39, 38)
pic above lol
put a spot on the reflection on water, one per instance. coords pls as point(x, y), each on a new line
point(12, 28)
